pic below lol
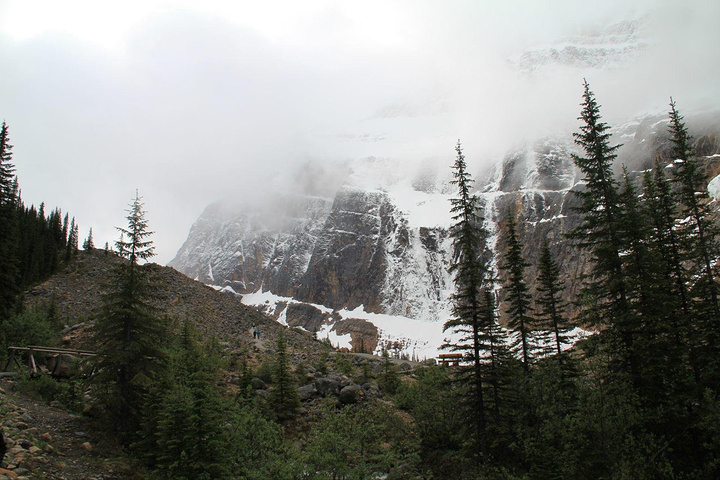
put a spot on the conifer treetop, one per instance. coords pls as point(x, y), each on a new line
point(137, 246)
point(7, 169)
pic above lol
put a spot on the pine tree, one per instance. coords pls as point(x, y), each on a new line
point(703, 233)
point(600, 204)
point(550, 306)
point(518, 296)
point(649, 296)
point(600, 232)
point(470, 272)
point(8, 227)
point(284, 395)
point(495, 342)
point(666, 239)
point(128, 330)
point(66, 228)
point(72, 242)
point(88, 244)
point(192, 441)
point(389, 378)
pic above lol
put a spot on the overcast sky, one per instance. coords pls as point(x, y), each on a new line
point(191, 103)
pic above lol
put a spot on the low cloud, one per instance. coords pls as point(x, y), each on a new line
point(201, 105)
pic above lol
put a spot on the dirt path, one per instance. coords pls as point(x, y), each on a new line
point(394, 361)
point(47, 442)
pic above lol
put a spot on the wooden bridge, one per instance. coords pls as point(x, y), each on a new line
point(450, 359)
point(34, 349)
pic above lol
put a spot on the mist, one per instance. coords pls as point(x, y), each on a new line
point(192, 104)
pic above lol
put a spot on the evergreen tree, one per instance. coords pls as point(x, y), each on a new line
point(88, 244)
point(389, 378)
point(550, 306)
point(639, 266)
point(702, 232)
point(8, 227)
point(284, 395)
point(470, 272)
point(518, 296)
point(192, 441)
point(601, 232)
point(128, 329)
point(666, 239)
point(650, 297)
point(72, 242)
point(66, 228)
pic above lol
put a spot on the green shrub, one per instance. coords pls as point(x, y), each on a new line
point(344, 365)
point(32, 327)
point(265, 372)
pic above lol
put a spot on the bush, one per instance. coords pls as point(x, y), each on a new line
point(265, 372)
point(32, 327)
point(69, 392)
point(344, 365)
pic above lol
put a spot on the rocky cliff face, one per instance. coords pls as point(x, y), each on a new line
point(381, 247)
point(256, 245)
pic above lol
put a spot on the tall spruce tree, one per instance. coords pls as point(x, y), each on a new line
point(72, 241)
point(601, 233)
point(470, 274)
point(702, 231)
point(284, 395)
point(188, 422)
point(666, 240)
point(89, 244)
point(129, 331)
point(8, 227)
point(518, 295)
point(549, 303)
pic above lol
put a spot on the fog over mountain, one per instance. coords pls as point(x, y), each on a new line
point(191, 104)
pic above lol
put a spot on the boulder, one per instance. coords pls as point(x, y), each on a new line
point(306, 392)
point(329, 385)
point(350, 394)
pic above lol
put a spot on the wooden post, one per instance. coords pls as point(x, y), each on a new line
point(10, 361)
point(31, 360)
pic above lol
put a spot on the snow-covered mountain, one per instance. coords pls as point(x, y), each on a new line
point(606, 47)
point(367, 266)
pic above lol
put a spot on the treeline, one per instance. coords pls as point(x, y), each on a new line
point(638, 399)
point(33, 244)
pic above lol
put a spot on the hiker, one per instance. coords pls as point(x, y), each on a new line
point(254, 332)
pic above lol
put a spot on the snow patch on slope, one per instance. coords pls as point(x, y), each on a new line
point(415, 338)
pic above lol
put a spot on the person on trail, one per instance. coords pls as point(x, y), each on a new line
point(254, 332)
point(258, 334)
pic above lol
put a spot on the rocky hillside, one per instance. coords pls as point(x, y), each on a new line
point(77, 292)
point(378, 251)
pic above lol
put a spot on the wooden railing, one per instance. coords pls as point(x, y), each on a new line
point(33, 349)
point(451, 359)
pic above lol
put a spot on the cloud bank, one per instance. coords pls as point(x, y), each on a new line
point(191, 104)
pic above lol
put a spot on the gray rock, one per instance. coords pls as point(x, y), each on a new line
point(330, 385)
point(350, 394)
point(404, 367)
point(306, 392)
